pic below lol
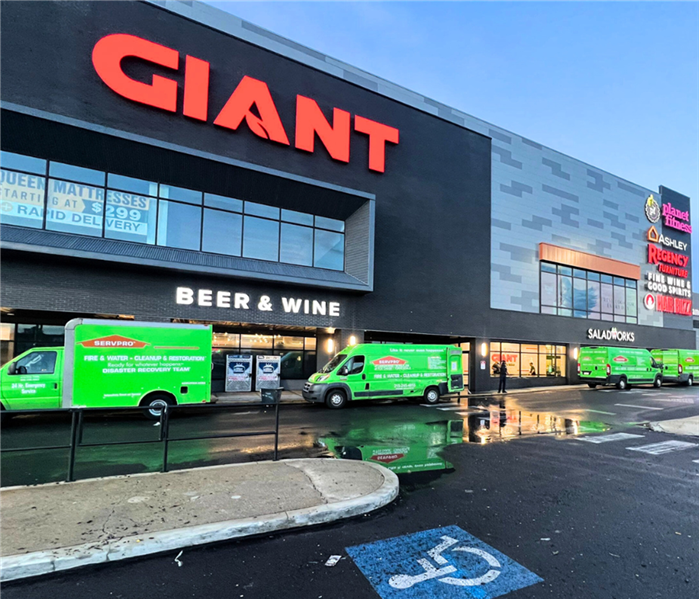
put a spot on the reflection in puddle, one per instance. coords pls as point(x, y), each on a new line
point(417, 446)
point(502, 425)
point(409, 447)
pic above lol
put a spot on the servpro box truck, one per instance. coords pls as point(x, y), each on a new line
point(679, 365)
point(377, 371)
point(620, 366)
point(113, 363)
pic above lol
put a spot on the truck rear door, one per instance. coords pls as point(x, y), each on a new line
point(455, 375)
point(35, 381)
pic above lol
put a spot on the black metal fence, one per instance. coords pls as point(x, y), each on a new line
point(77, 417)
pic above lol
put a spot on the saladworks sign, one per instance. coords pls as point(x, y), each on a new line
point(612, 334)
point(228, 300)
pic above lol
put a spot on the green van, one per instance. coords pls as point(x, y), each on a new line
point(384, 370)
point(679, 365)
point(620, 366)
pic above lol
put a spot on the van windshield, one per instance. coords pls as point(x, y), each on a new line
point(333, 364)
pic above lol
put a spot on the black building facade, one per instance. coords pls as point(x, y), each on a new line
point(160, 165)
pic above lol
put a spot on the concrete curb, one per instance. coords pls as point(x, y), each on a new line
point(37, 563)
point(688, 427)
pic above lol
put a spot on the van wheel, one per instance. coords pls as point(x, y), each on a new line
point(155, 404)
point(690, 381)
point(658, 382)
point(622, 384)
point(336, 399)
point(432, 395)
point(592, 385)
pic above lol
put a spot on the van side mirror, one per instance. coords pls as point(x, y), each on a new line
point(343, 371)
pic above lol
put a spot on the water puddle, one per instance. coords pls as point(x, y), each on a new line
point(413, 447)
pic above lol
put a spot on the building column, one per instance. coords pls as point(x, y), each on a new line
point(572, 364)
point(350, 337)
point(327, 345)
point(480, 377)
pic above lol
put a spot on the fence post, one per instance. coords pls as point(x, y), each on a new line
point(165, 432)
point(80, 428)
point(276, 429)
point(74, 426)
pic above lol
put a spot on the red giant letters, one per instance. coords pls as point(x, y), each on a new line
point(250, 93)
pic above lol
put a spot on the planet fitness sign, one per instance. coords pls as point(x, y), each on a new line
point(676, 219)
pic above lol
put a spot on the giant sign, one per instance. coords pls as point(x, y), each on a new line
point(251, 101)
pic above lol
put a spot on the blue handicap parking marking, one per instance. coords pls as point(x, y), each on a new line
point(444, 562)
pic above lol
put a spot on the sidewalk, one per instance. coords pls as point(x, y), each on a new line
point(54, 527)
point(679, 426)
point(254, 397)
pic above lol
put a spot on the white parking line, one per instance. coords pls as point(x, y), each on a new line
point(687, 400)
point(454, 408)
point(626, 405)
point(608, 438)
point(695, 461)
point(601, 412)
point(664, 447)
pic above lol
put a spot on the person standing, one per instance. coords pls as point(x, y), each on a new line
point(503, 377)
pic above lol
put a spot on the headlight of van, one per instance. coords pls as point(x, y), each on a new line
point(322, 378)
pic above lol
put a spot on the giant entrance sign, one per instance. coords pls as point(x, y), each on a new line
point(250, 93)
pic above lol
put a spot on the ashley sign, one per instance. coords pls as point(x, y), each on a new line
point(242, 301)
point(251, 101)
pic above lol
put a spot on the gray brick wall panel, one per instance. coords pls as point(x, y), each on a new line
point(632, 189)
point(516, 189)
point(556, 168)
point(598, 183)
point(564, 213)
point(495, 134)
point(506, 157)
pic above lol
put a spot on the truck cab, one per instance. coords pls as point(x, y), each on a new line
point(33, 380)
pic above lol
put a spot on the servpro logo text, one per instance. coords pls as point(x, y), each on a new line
point(388, 361)
point(113, 341)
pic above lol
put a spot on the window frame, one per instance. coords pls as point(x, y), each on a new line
point(156, 192)
point(596, 278)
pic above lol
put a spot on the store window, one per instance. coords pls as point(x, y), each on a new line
point(528, 359)
point(178, 225)
point(87, 202)
point(298, 354)
point(23, 197)
point(579, 293)
point(22, 337)
point(7, 342)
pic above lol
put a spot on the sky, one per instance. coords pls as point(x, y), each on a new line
point(614, 84)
